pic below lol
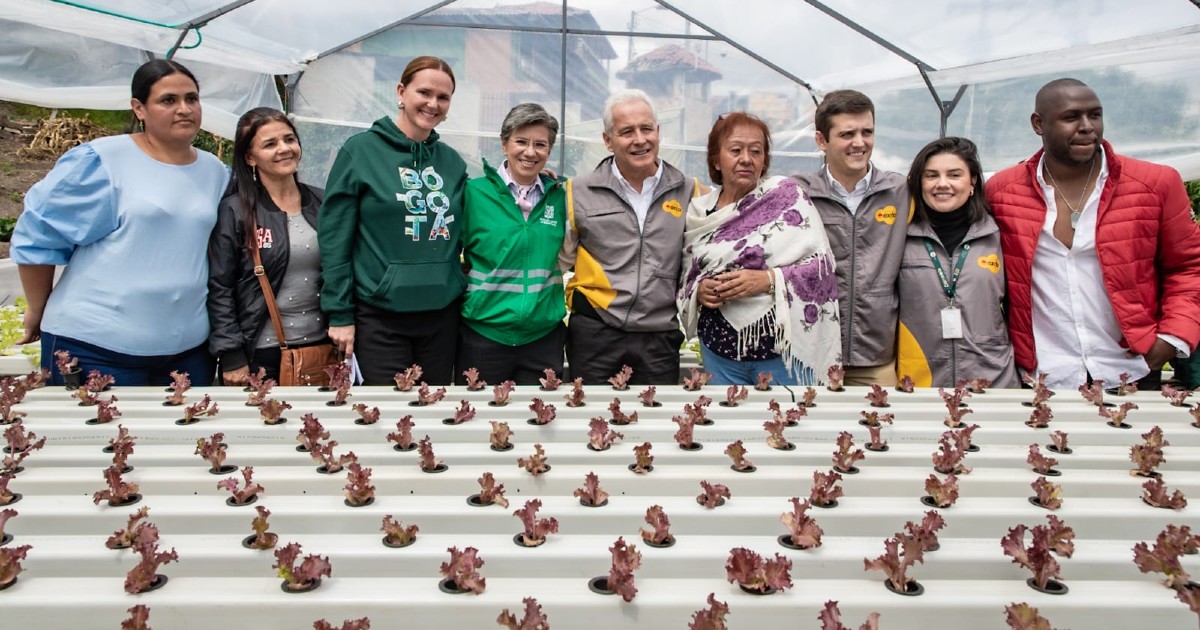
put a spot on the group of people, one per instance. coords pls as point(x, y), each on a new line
point(1080, 263)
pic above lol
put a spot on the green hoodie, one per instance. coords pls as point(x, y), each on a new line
point(388, 228)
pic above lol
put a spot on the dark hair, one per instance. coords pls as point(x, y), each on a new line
point(965, 149)
point(426, 62)
point(149, 74)
point(840, 102)
point(722, 129)
point(243, 183)
point(525, 115)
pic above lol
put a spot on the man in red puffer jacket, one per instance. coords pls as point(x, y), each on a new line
point(1102, 255)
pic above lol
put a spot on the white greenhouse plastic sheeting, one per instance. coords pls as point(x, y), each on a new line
point(698, 58)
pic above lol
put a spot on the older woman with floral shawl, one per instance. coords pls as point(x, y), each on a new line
point(758, 285)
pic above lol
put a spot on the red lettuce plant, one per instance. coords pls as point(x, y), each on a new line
point(348, 624)
point(711, 618)
point(600, 437)
point(21, 444)
point(205, 408)
point(366, 416)
point(942, 494)
point(1170, 545)
point(106, 410)
point(7, 497)
point(1195, 411)
point(270, 411)
point(300, 574)
point(660, 536)
point(339, 381)
point(330, 463)
point(1062, 538)
point(1041, 464)
point(712, 494)
point(620, 418)
point(118, 492)
point(37, 379)
point(242, 494)
point(1093, 392)
point(697, 411)
point(978, 385)
point(836, 378)
point(1058, 440)
point(955, 409)
point(359, 491)
point(144, 575)
point(625, 560)
point(1154, 437)
point(536, 529)
point(535, 464)
point(1116, 417)
point(803, 531)
point(877, 396)
point(809, 398)
point(775, 437)
point(213, 450)
point(643, 460)
point(906, 384)
point(1177, 396)
point(180, 383)
point(1146, 457)
point(462, 571)
point(926, 531)
point(311, 432)
point(429, 463)
point(755, 574)
point(542, 412)
point(734, 395)
point(737, 453)
point(10, 563)
point(499, 436)
point(899, 553)
point(620, 380)
point(591, 494)
point(402, 437)
point(122, 446)
point(825, 491)
point(1040, 417)
point(97, 382)
point(409, 377)
point(1036, 557)
point(464, 413)
point(575, 396)
point(831, 618)
point(1126, 386)
point(491, 492)
point(874, 418)
point(949, 456)
point(1041, 393)
point(139, 618)
point(87, 397)
point(697, 379)
point(534, 618)
point(127, 537)
point(262, 539)
point(686, 435)
point(501, 392)
point(1024, 617)
point(397, 535)
point(762, 381)
point(426, 397)
point(474, 383)
point(647, 397)
point(1048, 495)
point(65, 363)
point(876, 441)
point(258, 386)
point(1154, 493)
point(550, 381)
point(844, 457)
point(963, 436)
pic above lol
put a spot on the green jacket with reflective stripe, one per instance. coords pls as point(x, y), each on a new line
point(515, 291)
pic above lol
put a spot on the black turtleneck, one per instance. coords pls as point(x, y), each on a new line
point(951, 227)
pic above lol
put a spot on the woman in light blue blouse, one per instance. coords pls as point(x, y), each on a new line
point(129, 216)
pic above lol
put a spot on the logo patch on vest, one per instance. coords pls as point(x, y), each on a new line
point(886, 215)
point(673, 208)
point(990, 262)
point(548, 217)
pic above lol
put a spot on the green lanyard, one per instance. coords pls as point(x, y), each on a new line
point(948, 286)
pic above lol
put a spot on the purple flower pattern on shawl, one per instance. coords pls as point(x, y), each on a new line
point(764, 212)
point(811, 313)
point(751, 258)
point(813, 281)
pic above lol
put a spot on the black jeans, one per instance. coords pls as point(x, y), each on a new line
point(387, 342)
point(596, 351)
point(524, 364)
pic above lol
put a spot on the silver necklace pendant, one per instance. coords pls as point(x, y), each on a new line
point(1075, 218)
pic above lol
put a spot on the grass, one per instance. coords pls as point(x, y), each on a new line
point(115, 121)
point(17, 196)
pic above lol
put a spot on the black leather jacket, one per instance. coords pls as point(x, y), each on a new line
point(236, 308)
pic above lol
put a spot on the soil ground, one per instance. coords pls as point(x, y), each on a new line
point(17, 173)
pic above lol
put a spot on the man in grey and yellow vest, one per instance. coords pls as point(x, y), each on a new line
point(866, 213)
point(624, 239)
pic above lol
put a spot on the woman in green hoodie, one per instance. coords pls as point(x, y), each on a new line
point(389, 236)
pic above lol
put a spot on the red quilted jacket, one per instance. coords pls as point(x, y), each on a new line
point(1148, 245)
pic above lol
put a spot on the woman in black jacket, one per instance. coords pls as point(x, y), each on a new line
point(265, 192)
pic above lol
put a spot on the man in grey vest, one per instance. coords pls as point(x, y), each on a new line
point(624, 239)
point(866, 214)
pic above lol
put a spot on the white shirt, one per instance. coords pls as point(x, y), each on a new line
point(1074, 327)
point(534, 193)
point(852, 199)
point(639, 201)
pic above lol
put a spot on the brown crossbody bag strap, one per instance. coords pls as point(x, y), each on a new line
point(268, 294)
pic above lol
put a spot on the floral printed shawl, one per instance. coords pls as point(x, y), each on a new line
point(775, 227)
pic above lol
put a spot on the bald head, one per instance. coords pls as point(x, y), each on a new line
point(1069, 118)
point(1054, 92)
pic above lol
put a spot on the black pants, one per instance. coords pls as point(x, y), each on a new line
point(524, 364)
point(387, 342)
point(596, 351)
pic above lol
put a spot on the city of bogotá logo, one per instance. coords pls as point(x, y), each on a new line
point(673, 207)
point(886, 215)
point(990, 262)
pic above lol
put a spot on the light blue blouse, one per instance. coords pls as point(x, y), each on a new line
point(133, 233)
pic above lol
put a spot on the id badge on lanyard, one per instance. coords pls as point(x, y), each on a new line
point(952, 322)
